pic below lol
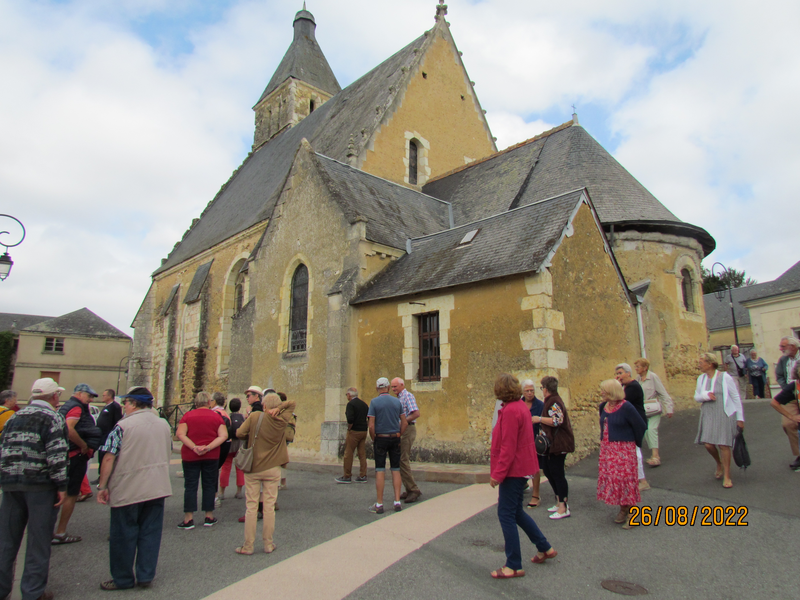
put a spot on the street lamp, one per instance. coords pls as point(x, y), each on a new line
point(119, 371)
point(5, 259)
point(720, 294)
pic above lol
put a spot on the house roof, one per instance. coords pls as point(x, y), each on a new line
point(304, 60)
point(15, 322)
point(82, 322)
point(562, 159)
point(513, 242)
point(249, 196)
point(786, 283)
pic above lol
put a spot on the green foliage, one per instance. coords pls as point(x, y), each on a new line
point(6, 352)
point(728, 279)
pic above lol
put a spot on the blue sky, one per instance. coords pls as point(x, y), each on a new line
point(122, 119)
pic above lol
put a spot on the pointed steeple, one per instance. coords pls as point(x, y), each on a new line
point(302, 82)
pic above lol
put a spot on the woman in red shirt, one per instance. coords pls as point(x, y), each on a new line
point(513, 460)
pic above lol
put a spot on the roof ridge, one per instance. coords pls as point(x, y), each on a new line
point(535, 138)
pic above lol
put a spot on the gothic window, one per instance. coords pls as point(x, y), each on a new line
point(686, 287)
point(429, 354)
point(299, 310)
point(238, 293)
point(412, 162)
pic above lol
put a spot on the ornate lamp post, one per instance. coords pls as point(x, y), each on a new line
point(720, 294)
point(5, 260)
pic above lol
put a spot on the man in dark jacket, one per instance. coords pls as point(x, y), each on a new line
point(356, 415)
point(84, 439)
point(635, 395)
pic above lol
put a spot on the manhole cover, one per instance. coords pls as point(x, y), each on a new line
point(626, 588)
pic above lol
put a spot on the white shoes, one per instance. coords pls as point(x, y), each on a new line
point(557, 515)
point(553, 508)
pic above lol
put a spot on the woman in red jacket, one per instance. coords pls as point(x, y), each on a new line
point(513, 460)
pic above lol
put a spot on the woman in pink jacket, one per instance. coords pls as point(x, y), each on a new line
point(513, 460)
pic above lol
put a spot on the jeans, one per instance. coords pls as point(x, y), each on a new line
point(135, 536)
point(553, 467)
point(758, 386)
point(192, 471)
point(36, 510)
point(510, 514)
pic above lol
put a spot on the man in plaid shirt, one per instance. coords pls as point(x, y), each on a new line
point(411, 411)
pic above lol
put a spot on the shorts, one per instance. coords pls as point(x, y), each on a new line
point(383, 446)
point(76, 471)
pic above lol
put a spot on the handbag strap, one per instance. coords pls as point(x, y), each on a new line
point(258, 427)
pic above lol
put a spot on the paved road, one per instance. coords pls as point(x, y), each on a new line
point(324, 531)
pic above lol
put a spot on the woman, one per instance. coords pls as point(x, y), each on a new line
point(621, 431)
point(513, 460)
point(237, 419)
point(757, 369)
point(266, 435)
point(721, 413)
point(219, 408)
point(202, 432)
point(535, 407)
point(655, 397)
point(555, 424)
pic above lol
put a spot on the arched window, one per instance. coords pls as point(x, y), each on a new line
point(311, 107)
point(298, 321)
point(238, 293)
point(686, 287)
point(412, 162)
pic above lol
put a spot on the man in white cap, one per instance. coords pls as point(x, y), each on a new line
point(254, 395)
point(33, 475)
point(387, 422)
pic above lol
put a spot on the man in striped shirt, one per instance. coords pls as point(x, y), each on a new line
point(411, 411)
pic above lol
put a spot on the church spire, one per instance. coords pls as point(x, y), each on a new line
point(441, 11)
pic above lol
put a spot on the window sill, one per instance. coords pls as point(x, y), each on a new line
point(295, 357)
point(61, 352)
point(426, 386)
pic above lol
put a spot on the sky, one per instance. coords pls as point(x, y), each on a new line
point(120, 120)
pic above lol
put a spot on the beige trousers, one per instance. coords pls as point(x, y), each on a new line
point(790, 427)
point(260, 486)
point(406, 442)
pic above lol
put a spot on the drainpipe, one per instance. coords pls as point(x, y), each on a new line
point(641, 330)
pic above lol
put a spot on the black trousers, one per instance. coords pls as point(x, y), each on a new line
point(553, 467)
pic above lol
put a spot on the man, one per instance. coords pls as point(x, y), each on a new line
point(84, 439)
point(33, 475)
point(785, 401)
point(356, 415)
point(387, 423)
point(736, 364)
point(254, 394)
point(8, 406)
point(635, 395)
point(411, 412)
point(107, 419)
point(134, 481)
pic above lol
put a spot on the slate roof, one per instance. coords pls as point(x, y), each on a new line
point(81, 322)
point(249, 197)
point(393, 213)
point(15, 322)
point(562, 159)
point(304, 60)
point(510, 243)
point(786, 283)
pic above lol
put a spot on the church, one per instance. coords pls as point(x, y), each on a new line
point(376, 231)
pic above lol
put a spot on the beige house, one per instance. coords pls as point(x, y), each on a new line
point(78, 347)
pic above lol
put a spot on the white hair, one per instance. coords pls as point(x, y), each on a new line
point(528, 382)
point(624, 366)
point(792, 341)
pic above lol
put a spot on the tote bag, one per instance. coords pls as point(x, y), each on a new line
point(244, 457)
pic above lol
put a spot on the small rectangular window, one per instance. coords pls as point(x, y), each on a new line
point(54, 344)
point(54, 375)
point(429, 356)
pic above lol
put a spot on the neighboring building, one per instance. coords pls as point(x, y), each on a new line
point(78, 347)
point(719, 321)
point(376, 231)
point(10, 324)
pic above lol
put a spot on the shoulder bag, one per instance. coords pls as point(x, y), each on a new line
point(244, 457)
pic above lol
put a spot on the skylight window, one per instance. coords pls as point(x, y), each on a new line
point(468, 238)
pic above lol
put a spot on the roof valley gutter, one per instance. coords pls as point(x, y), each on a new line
point(408, 245)
point(450, 215)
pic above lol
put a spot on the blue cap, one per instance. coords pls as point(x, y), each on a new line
point(140, 394)
point(83, 387)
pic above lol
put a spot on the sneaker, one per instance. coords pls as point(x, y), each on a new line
point(241, 519)
point(217, 502)
point(188, 525)
point(343, 480)
point(557, 515)
point(376, 509)
point(796, 464)
point(397, 507)
point(553, 508)
point(210, 522)
point(361, 479)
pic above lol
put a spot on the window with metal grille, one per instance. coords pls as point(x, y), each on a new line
point(412, 162)
point(53, 344)
point(429, 360)
point(686, 287)
point(238, 299)
point(299, 310)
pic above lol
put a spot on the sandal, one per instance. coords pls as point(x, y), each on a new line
point(272, 549)
point(718, 473)
point(727, 485)
point(500, 574)
point(537, 560)
point(531, 504)
point(84, 497)
point(109, 586)
point(621, 516)
point(65, 539)
point(653, 462)
point(241, 550)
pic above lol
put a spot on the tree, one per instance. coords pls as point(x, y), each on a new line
point(728, 279)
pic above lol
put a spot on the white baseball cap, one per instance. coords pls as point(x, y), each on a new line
point(45, 386)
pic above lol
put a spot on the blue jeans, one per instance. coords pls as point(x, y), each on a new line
point(510, 514)
point(135, 536)
point(192, 472)
point(36, 510)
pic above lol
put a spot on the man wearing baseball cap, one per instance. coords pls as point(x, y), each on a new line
point(134, 481)
point(33, 475)
point(84, 438)
point(387, 422)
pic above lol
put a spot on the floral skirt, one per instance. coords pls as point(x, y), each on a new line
point(618, 480)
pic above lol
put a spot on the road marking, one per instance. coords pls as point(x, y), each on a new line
point(325, 572)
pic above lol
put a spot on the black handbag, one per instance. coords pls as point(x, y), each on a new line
point(740, 454)
point(542, 443)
